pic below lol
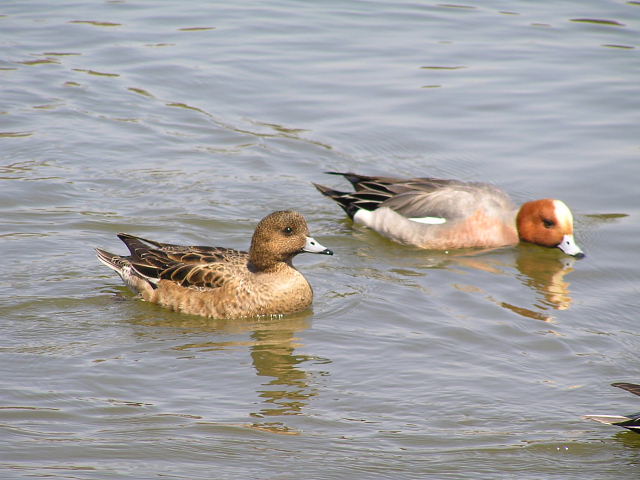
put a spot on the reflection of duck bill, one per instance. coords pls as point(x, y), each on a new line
point(547, 275)
point(631, 421)
point(557, 292)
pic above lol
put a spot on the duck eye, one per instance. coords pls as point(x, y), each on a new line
point(548, 223)
point(288, 230)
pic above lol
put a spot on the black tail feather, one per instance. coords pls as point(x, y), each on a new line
point(353, 178)
point(344, 199)
point(137, 244)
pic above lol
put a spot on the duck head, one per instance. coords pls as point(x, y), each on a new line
point(549, 223)
point(279, 237)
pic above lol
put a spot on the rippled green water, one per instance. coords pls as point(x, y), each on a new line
point(188, 122)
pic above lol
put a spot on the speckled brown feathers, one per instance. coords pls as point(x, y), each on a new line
point(223, 282)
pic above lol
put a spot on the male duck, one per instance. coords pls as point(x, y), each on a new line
point(448, 214)
point(222, 282)
point(631, 421)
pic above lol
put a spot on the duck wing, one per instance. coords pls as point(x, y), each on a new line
point(140, 247)
point(361, 182)
point(188, 266)
point(201, 276)
point(372, 192)
point(419, 198)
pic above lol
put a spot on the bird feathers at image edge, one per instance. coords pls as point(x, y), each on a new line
point(631, 421)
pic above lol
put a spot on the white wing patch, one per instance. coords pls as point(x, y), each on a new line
point(429, 220)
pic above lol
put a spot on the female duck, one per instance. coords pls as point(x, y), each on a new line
point(222, 282)
point(448, 214)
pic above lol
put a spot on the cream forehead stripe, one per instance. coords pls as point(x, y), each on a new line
point(563, 214)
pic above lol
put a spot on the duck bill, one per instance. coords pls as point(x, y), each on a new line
point(312, 246)
point(569, 246)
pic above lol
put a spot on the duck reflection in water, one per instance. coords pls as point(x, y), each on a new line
point(544, 271)
point(272, 344)
point(546, 275)
point(287, 389)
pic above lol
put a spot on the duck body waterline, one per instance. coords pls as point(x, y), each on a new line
point(450, 214)
point(222, 282)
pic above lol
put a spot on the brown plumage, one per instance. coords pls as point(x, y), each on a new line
point(223, 282)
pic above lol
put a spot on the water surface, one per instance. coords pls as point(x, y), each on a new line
point(188, 124)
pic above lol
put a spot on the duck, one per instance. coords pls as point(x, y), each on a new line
point(443, 214)
point(219, 282)
point(631, 421)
